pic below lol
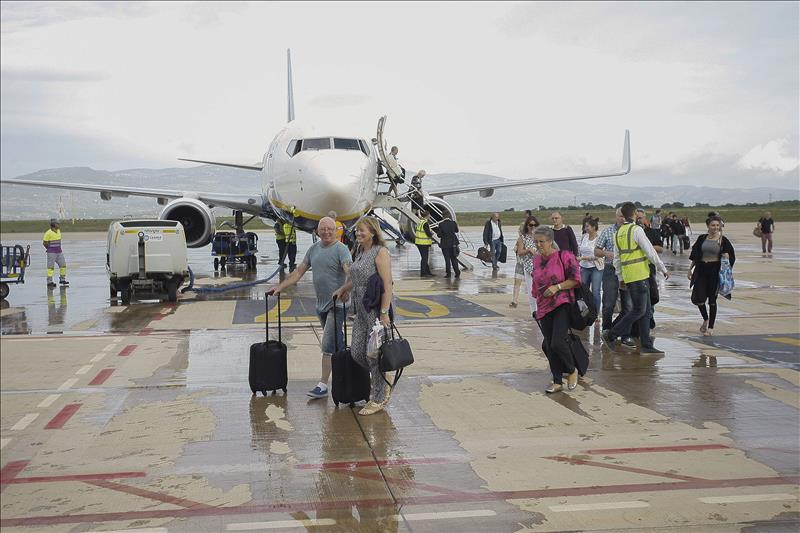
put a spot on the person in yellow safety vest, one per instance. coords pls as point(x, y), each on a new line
point(633, 255)
point(55, 254)
point(280, 240)
point(423, 240)
point(339, 226)
point(290, 234)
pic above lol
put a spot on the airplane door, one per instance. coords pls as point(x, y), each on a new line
point(389, 163)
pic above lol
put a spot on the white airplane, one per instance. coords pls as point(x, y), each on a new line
point(305, 174)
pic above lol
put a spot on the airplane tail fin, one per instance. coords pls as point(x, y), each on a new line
point(290, 90)
point(626, 153)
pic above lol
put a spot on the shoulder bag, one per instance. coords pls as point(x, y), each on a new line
point(395, 354)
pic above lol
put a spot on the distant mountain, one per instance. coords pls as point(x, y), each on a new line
point(19, 203)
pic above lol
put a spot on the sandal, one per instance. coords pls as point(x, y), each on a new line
point(371, 408)
point(708, 333)
point(704, 327)
point(570, 383)
point(512, 304)
point(554, 387)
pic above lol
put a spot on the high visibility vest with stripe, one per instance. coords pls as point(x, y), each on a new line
point(634, 262)
point(53, 240)
point(339, 230)
point(420, 237)
point(291, 233)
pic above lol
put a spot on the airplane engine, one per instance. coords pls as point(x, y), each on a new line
point(197, 219)
point(438, 209)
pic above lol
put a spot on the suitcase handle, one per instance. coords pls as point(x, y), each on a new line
point(344, 325)
point(266, 315)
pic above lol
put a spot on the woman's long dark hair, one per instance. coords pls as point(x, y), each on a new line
point(528, 220)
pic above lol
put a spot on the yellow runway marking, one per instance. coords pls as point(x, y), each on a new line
point(785, 340)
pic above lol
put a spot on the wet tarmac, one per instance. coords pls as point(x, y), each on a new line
point(140, 417)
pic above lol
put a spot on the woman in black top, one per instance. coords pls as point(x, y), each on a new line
point(704, 273)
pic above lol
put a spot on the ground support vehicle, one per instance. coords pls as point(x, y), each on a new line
point(13, 262)
point(229, 247)
point(146, 259)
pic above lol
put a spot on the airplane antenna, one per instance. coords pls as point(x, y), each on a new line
point(291, 91)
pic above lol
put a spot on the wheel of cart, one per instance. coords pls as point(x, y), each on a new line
point(13, 262)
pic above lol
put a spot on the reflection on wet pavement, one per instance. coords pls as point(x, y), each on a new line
point(151, 402)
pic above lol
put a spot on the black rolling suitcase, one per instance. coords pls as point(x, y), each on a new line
point(349, 380)
point(268, 359)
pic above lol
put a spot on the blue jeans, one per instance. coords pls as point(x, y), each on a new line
point(610, 294)
point(329, 343)
point(642, 311)
point(593, 278)
point(497, 247)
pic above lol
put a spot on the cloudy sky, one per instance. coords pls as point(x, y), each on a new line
point(520, 90)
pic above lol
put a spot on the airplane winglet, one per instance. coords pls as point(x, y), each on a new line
point(217, 163)
point(626, 153)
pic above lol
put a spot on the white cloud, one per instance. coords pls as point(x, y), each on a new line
point(771, 156)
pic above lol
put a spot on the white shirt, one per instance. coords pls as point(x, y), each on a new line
point(644, 243)
point(495, 230)
point(586, 249)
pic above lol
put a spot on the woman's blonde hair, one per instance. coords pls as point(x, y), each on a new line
point(375, 228)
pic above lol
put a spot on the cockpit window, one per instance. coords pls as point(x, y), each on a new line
point(323, 143)
point(293, 148)
point(345, 144)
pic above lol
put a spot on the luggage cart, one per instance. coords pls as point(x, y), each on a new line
point(13, 262)
point(228, 247)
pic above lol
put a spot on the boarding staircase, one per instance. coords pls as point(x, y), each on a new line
point(386, 201)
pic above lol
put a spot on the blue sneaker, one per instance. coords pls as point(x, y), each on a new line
point(318, 392)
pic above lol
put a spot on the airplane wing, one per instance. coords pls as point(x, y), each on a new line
point(486, 190)
point(247, 203)
point(256, 166)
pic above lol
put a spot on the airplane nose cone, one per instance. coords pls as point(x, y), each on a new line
point(328, 180)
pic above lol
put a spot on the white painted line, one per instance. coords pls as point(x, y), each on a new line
point(444, 515)
point(598, 506)
point(279, 524)
point(166, 310)
point(3, 443)
point(47, 402)
point(109, 347)
point(146, 530)
point(67, 384)
point(84, 369)
point(744, 498)
point(25, 421)
point(98, 357)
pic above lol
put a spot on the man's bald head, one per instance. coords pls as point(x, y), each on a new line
point(326, 229)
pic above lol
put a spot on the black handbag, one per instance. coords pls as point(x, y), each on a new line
point(503, 253)
point(652, 283)
point(395, 354)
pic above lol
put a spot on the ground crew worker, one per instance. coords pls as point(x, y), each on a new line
point(423, 239)
point(280, 240)
point(633, 255)
point(339, 227)
point(55, 255)
point(290, 233)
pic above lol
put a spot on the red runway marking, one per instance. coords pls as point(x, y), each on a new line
point(10, 472)
point(145, 332)
point(75, 477)
point(102, 376)
point(126, 351)
point(58, 421)
point(406, 483)
point(623, 468)
point(385, 502)
point(145, 493)
point(687, 448)
point(360, 464)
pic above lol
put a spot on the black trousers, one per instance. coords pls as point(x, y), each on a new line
point(281, 251)
point(450, 260)
point(424, 269)
point(291, 251)
point(555, 326)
